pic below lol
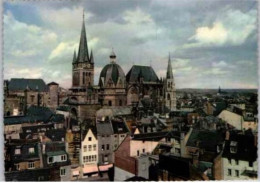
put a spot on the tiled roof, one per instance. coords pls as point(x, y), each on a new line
point(21, 84)
point(155, 136)
point(119, 126)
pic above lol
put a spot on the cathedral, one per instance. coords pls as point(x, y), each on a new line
point(115, 88)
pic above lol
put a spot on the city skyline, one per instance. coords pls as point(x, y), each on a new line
point(212, 45)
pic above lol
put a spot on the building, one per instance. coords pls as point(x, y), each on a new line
point(239, 158)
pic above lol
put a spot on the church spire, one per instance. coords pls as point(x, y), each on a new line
point(91, 57)
point(169, 74)
point(83, 45)
point(74, 57)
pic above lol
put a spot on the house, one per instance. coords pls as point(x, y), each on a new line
point(89, 153)
point(132, 157)
point(22, 155)
point(239, 158)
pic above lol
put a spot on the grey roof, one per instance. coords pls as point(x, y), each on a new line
point(104, 128)
point(83, 46)
point(206, 139)
point(18, 84)
point(111, 71)
point(146, 72)
point(91, 57)
point(169, 74)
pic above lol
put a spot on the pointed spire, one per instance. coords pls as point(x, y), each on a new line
point(83, 45)
point(169, 74)
point(91, 57)
point(112, 56)
point(74, 57)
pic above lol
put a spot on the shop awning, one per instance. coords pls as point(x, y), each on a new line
point(90, 169)
point(103, 168)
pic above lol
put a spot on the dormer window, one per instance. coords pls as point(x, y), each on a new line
point(233, 147)
point(17, 151)
point(31, 150)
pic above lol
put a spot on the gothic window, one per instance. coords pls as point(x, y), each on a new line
point(83, 77)
point(168, 97)
point(169, 85)
point(120, 102)
point(110, 103)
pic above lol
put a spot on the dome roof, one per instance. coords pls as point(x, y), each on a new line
point(111, 71)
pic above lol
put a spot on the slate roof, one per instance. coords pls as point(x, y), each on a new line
point(206, 139)
point(34, 175)
point(25, 155)
point(111, 71)
point(20, 84)
point(43, 112)
point(146, 72)
point(63, 108)
point(53, 83)
point(119, 126)
point(104, 128)
point(154, 136)
point(246, 150)
point(56, 134)
point(57, 118)
point(181, 166)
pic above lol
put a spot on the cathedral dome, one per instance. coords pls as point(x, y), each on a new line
point(112, 74)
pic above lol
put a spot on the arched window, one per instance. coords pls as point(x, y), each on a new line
point(168, 97)
point(120, 102)
point(110, 103)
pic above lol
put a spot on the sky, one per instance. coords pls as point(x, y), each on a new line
point(211, 43)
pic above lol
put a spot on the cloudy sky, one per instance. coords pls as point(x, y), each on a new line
point(212, 43)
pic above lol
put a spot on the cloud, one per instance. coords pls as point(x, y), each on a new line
point(137, 17)
point(216, 35)
point(233, 27)
point(62, 48)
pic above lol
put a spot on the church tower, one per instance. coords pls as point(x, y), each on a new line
point(83, 63)
point(169, 88)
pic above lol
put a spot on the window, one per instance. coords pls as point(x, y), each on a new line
point(138, 153)
point(50, 160)
point(143, 150)
point(110, 103)
point(63, 157)
point(105, 158)
point(62, 171)
point(103, 147)
point(115, 136)
point(177, 151)
point(229, 172)
point(229, 161)
point(94, 147)
point(90, 138)
point(237, 162)
point(237, 173)
point(17, 151)
point(122, 136)
point(107, 146)
point(85, 159)
point(120, 102)
point(31, 150)
point(89, 147)
point(85, 148)
point(250, 163)
point(31, 165)
point(17, 166)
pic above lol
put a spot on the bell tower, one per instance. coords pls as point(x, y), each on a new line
point(83, 63)
point(169, 88)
